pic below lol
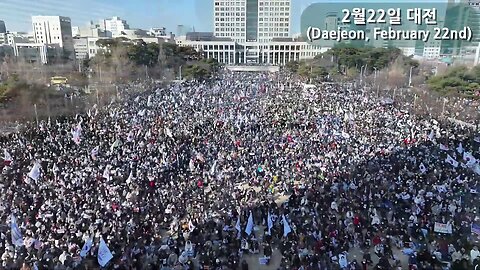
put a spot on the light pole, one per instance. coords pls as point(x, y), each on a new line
point(361, 74)
point(36, 113)
point(180, 72)
point(410, 78)
point(374, 76)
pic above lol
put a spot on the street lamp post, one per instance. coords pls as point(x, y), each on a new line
point(375, 76)
point(410, 78)
point(361, 74)
point(36, 113)
point(180, 72)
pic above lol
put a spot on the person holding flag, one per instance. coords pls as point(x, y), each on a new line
point(269, 223)
point(86, 247)
point(35, 171)
point(238, 227)
point(7, 159)
point(250, 224)
point(104, 254)
point(17, 238)
point(286, 227)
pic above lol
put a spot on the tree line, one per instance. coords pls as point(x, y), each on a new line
point(347, 62)
point(122, 60)
point(458, 80)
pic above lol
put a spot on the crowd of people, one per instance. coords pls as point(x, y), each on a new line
point(203, 175)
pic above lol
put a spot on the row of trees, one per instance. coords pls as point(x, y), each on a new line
point(348, 62)
point(122, 60)
point(457, 80)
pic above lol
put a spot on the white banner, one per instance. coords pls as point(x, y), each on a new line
point(442, 228)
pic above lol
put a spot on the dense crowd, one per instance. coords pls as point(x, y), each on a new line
point(167, 177)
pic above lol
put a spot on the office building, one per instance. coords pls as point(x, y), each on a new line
point(80, 45)
point(114, 26)
point(90, 30)
point(157, 31)
point(252, 20)
point(276, 52)
point(36, 52)
point(3, 28)
point(54, 30)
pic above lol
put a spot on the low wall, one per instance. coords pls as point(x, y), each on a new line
point(254, 68)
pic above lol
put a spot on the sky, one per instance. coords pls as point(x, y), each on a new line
point(138, 13)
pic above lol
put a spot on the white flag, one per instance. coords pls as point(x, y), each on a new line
point(149, 101)
point(238, 227)
point(142, 112)
point(17, 238)
point(86, 248)
point(423, 169)
point(130, 136)
point(269, 224)
point(137, 99)
point(460, 148)
point(431, 136)
point(191, 165)
point(286, 226)
point(443, 147)
point(451, 161)
point(35, 171)
point(94, 153)
point(76, 133)
point(191, 227)
point(7, 157)
point(469, 158)
point(115, 144)
point(250, 224)
point(104, 254)
point(476, 169)
point(212, 170)
point(55, 169)
point(130, 178)
point(106, 173)
point(168, 132)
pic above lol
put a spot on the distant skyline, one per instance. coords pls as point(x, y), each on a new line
point(139, 14)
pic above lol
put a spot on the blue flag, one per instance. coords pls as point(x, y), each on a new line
point(238, 227)
point(286, 227)
point(269, 224)
point(86, 248)
point(104, 254)
point(249, 227)
point(17, 238)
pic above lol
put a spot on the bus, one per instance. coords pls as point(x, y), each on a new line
point(58, 80)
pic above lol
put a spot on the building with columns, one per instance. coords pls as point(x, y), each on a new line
point(276, 52)
point(251, 32)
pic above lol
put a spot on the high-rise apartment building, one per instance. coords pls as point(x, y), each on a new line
point(54, 30)
point(252, 20)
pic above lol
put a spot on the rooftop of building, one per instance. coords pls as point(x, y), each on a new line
point(204, 36)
